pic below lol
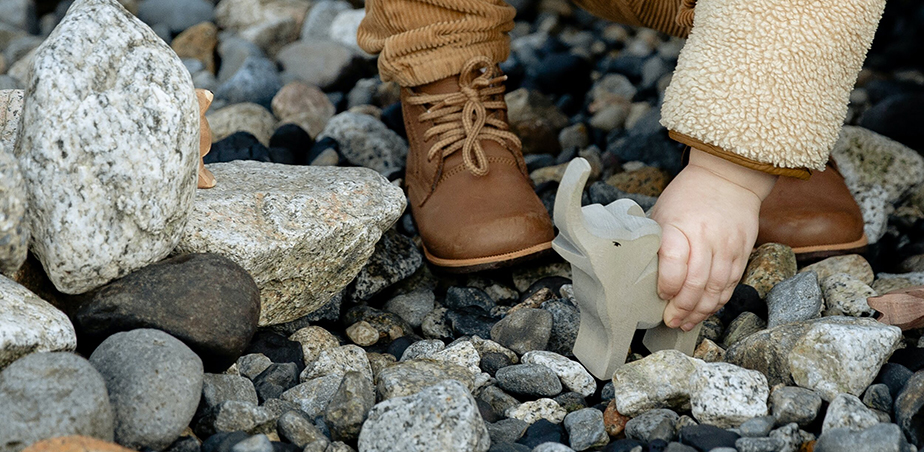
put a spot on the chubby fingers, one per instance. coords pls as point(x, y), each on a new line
point(690, 298)
point(672, 262)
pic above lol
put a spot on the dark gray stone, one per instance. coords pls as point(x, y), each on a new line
point(794, 404)
point(154, 383)
point(256, 443)
point(877, 438)
point(251, 365)
point(529, 380)
point(257, 81)
point(45, 395)
point(908, 404)
point(507, 430)
point(366, 141)
point(275, 380)
point(743, 326)
point(468, 300)
point(205, 300)
point(410, 377)
point(492, 362)
point(498, 400)
point(412, 307)
point(349, 407)
point(395, 258)
point(566, 320)
point(524, 330)
point(759, 444)
point(585, 429)
point(878, 397)
point(757, 427)
point(570, 401)
point(234, 416)
point(654, 424)
point(218, 388)
point(794, 299)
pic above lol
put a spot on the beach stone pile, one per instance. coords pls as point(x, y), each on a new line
point(290, 309)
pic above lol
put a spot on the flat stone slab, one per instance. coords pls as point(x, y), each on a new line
point(302, 232)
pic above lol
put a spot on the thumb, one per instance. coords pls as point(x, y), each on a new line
point(672, 261)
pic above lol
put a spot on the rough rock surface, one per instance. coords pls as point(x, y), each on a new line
point(124, 177)
point(726, 395)
point(661, 380)
point(795, 299)
point(14, 234)
point(366, 141)
point(45, 395)
point(847, 411)
point(303, 233)
point(572, 374)
point(29, 324)
point(442, 417)
point(149, 375)
point(410, 377)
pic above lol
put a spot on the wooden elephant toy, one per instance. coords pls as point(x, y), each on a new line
point(613, 251)
point(206, 179)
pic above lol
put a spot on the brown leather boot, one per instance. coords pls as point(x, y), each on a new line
point(818, 217)
point(469, 190)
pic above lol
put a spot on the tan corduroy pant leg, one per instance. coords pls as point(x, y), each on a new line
point(422, 41)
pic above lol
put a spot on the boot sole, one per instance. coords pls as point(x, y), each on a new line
point(819, 252)
point(490, 262)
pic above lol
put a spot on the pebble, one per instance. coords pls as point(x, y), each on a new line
point(875, 208)
point(648, 181)
point(524, 330)
point(498, 400)
point(534, 118)
point(709, 351)
point(362, 334)
point(486, 346)
point(177, 15)
point(253, 364)
point(908, 405)
point(389, 326)
point(795, 299)
point(216, 323)
point(759, 444)
point(757, 427)
point(276, 380)
point(573, 375)
point(770, 264)
point(506, 430)
point(198, 42)
point(242, 117)
point(867, 159)
point(349, 406)
point(277, 348)
point(707, 437)
point(852, 264)
point(529, 380)
point(29, 324)
point(14, 233)
point(846, 295)
point(744, 299)
point(847, 411)
point(295, 428)
point(743, 326)
point(613, 421)
point(573, 136)
point(842, 356)
point(552, 447)
point(255, 81)
point(75, 443)
point(303, 105)
point(566, 320)
point(410, 377)
point(338, 361)
point(45, 395)
point(661, 380)
point(532, 411)
point(878, 397)
point(314, 340)
point(877, 438)
point(325, 64)
point(541, 432)
point(366, 141)
point(571, 401)
point(238, 146)
point(585, 429)
point(146, 155)
point(653, 425)
point(794, 404)
point(219, 388)
point(524, 277)
point(344, 27)
point(318, 21)
point(313, 395)
point(421, 349)
point(360, 204)
point(395, 258)
point(726, 395)
point(442, 417)
point(234, 416)
point(149, 375)
point(412, 307)
point(469, 300)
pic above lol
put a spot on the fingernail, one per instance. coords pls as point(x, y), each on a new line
point(687, 326)
point(662, 296)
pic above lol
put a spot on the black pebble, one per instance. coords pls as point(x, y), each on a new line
point(552, 283)
point(320, 146)
point(223, 442)
point(911, 357)
point(487, 412)
point(542, 431)
point(184, 444)
point(393, 117)
point(399, 345)
point(285, 447)
point(275, 380)
point(470, 324)
point(623, 445)
point(894, 376)
point(468, 300)
point(745, 298)
point(492, 362)
point(277, 348)
point(657, 445)
point(563, 73)
point(295, 141)
point(509, 447)
point(237, 146)
point(707, 437)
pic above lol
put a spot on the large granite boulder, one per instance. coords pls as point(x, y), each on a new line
point(109, 147)
point(302, 232)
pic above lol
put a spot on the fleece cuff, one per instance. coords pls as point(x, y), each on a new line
point(769, 80)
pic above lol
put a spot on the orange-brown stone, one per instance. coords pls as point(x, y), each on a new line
point(75, 444)
point(613, 421)
point(649, 181)
point(198, 42)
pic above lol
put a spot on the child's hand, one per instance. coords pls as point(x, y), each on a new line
point(709, 219)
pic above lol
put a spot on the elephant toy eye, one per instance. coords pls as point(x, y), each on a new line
point(617, 244)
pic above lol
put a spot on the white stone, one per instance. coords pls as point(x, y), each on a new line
point(833, 358)
point(726, 395)
point(660, 380)
point(485, 346)
point(875, 208)
point(338, 361)
point(532, 411)
point(462, 353)
point(29, 324)
point(313, 396)
point(422, 349)
point(344, 27)
point(11, 104)
point(302, 232)
point(572, 374)
point(867, 159)
point(847, 411)
point(14, 233)
point(846, 295)
point(109, 147)
point(314, 340)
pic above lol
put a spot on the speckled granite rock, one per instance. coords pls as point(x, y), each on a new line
point(11, 104)
point(29, 324)
point(770, 263)
point(795, 299)
point(410, 377)
point(532, 411)
point(661, 380)
point(852, 264)
point(571, 373)
point(366, 141)
point(866, 158)
point(14, 233)
point(726, 395)
point(847, 411)
point(124, 177)
point(302, 232)
point(442, 417)
point(244, 117)
point(846, 295)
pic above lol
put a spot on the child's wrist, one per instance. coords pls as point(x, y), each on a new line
point(757, 182)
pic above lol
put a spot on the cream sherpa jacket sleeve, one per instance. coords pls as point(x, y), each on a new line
point(765, 83)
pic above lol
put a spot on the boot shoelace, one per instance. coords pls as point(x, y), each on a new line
point(461, 119)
